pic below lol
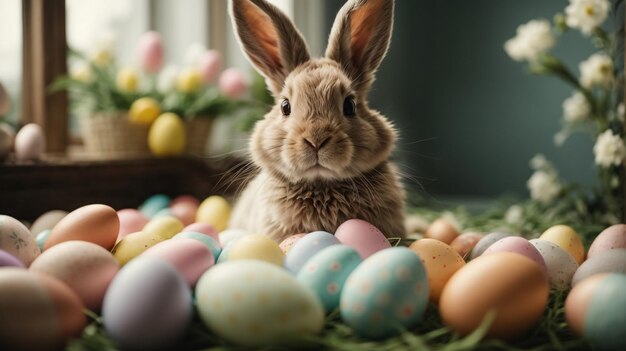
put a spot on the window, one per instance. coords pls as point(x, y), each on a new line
point(11, 54)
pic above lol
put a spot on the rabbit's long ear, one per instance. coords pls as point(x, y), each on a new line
point(360, 38)
point(269, 39)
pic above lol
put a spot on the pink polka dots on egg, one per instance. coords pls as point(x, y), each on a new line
point(332, 288)
point(403, 274)
point(335, 266)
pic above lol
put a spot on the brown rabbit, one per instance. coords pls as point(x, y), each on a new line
point(323, 154)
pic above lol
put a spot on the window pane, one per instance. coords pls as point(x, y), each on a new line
point(11, 55)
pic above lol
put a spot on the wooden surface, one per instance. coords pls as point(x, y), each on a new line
point(28, 190)
point(44, 59)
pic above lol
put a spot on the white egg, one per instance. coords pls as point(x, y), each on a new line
point(561, 265)
point(30, 142)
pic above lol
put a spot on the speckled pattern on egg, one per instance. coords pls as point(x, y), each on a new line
point(561, 265)
point(440, 261)
point(387, 290)
point(613, 237)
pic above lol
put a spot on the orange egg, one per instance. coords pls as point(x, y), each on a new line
point(578, 302)
point(185, 211)
point(441, 230)
point(464, 243)
point(98, 224)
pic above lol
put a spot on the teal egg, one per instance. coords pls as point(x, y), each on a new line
point(210, 242)
point(42, 237)
point(326, 272)
point(225, 251)
point(154, 204)
point(385, 294)
point(605, 322)
point(306, 247)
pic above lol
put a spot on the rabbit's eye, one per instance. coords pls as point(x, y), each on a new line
point(349, 106)
point(285, 107)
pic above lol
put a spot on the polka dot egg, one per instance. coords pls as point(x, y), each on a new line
point(386, 293)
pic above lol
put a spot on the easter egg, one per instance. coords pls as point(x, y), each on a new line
point(166, 136)
point(154, 204)
point(189, 80)
point(127, 80)
point(30, 142)
point(441, 230)
point(185, 211)
point(47, 221)
point(485, 242)
point(147, 306)
point(511, 285)
point(464, 243)
point(518, 245)
point(206, 240)
point(190, 257)
point(611, 261)
point(306, 247)
point(255, 304)
point(257, 247)
point(84, 267)
point(8, 260)
point(326, 272)
point(225, 253)
point(288, 243)
point(613, 237)
point(560, 264)
point(144, 111)
point(385, 293)
point(214, 210)
point(98, 224)
point(187, 199)
point(203, 228)
point(595, 309)
point(231, 235)
point(134, 244)
point(131, 221)
point(440, 261)
point(363, 236)
point(42, 237)
point(37, 312)
point(17, 240)
point(164, 212)
point(165, 227)
point(567, 239)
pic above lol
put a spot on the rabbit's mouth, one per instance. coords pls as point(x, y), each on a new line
point(318, 171)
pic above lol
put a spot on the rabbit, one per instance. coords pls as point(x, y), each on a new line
point(322, 153)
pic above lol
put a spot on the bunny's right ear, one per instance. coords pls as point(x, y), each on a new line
point(269, 39)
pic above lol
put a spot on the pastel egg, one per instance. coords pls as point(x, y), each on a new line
point(385, 294)
point(42, 237)
point(185, 211)
point(8, 260)
point(37, 312)
point(363, 236)
point(254, 303)
point(133, 245)
point(164, 212)
point(441, 230)
point(147, 306)
point(511, 285)
point(326, 272)
point(288, 243)
point(30, 142)
point(518, 245)
point(203, 228)
point(485, 242)
point(567, 239)
point(464, 243)
point(154, 204)
point(306, 247)
point(560, 264)
point(188, 199)
point(257, 247)
point(231, 235)
point(165, 227)
point(98, 224)
point(225, 253)
point(131, 221)
point(595, 309)
point(190, 257)
point(84, 267)
point(440, 261)
point(613, 237)
point(17, 240)
point(611, 261)
point(214, 210)
point(47, 220)
point(208, 241)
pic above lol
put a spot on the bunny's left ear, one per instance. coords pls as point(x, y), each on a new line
point(360, 38)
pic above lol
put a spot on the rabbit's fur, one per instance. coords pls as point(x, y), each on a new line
point(318, 167)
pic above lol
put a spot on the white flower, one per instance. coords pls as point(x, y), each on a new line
point(539, 161)
point(576, 108)
point(609, 149)
point(166, 81)
point(533, 39)
point(597, 70)
point(194, 53)
point(586, 15)
point(102, 51)
point(544, 186)
point(514, 214)
point(81, 71)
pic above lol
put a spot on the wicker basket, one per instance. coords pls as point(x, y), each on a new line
point(198, 131)
point(111, 135)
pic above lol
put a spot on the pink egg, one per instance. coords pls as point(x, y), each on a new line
point(185, 199)
point(150, 51)
point(202, 228)
point(519, 245)
point(131, 221)
point(210, 64)
point(288, 243)
point(365, 238)
point(232, 83)
point(190, 257)
point(185, 211)
point(613, 237)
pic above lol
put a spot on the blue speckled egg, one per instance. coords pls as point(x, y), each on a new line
point(306, 247)
point(326, 272)
point(42, 237)
point(386, 293)
point(154, 204)
point(210, 242)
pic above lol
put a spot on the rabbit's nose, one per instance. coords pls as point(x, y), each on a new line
point(317, 146)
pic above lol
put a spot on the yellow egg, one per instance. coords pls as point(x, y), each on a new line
point(257, 247)
point(127, 79)
point(144, 111)
point(132, 245)
point(189, 80)
point(165, 227)
point(167, 135)
point(214, 210)
point(567, 239)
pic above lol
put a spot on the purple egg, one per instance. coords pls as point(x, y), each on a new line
point(518, 245)
point(8, 260)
